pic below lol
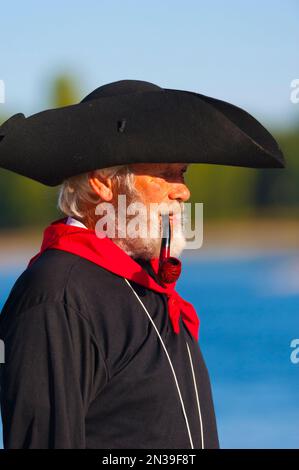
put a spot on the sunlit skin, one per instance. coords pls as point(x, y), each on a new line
point(155, 183)
point(161, 182)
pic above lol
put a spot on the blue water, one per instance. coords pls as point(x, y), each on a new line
point(249, 312)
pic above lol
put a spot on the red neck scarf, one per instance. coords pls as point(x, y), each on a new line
point(104, 252)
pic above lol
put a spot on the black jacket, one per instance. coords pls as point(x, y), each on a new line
point(91, 361)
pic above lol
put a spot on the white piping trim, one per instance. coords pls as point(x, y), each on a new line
point(176, 382)
point(197, 399)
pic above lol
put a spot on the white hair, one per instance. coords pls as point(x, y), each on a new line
point(75, 193)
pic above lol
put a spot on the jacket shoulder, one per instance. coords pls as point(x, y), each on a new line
point(53, 277)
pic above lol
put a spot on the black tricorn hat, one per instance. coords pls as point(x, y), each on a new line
point(134, 121)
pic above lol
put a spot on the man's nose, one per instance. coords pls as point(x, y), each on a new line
point(179, 191)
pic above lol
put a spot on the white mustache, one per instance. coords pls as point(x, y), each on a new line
point(174, 212)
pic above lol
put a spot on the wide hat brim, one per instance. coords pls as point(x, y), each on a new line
point(132, 121)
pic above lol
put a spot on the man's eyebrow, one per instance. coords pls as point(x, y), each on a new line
point(172, 168)
point(181, 167)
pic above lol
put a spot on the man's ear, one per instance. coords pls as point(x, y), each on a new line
point(101, 186)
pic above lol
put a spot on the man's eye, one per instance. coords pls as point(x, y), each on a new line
point(183, 173)
point(171, 174)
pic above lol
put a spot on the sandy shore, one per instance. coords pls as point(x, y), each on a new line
point(226, 237)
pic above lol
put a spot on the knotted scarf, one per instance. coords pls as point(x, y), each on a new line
point(104, 252)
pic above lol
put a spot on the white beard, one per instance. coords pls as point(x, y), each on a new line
point(147, 247)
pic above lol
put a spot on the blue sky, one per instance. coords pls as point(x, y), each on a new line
point(245, 52)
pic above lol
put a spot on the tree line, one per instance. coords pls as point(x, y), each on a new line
point(226, 191)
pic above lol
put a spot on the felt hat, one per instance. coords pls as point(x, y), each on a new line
point(134, 121)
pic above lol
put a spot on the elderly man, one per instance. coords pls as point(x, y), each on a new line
point(100, 353)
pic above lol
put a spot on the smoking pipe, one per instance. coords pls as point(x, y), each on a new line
point(169, 266)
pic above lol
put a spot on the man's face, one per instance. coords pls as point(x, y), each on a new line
point(156, 184)
point(161, 182)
